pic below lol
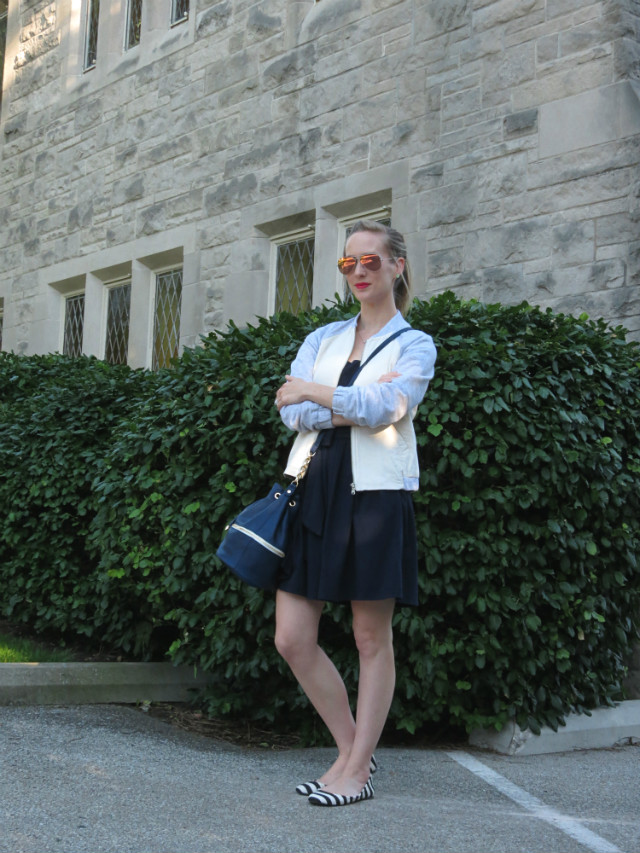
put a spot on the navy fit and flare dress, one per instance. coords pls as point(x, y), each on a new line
point(350, 547)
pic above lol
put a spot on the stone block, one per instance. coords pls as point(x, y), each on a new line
point(445, 262)
point(290, 66)
point(372, 114)
point(608, 275)
point(503, 284)
point(441, 16)
point(502, 12)
point(573, 243)
point(330, 95)
point(461, 104)
point(593, 161)
point(603, 728)
point(328, 16)
point(522, 122)
point(595, 288)
point(426, 177)
point(230, 194)
point(547, 48)
point(448, 204)
point(556, 8)
point(588, 119)
point(502, 176)
point(261, 25)
point(617, 228)
point(152, 219)
point(381, 68)
point(240, 67)
point(571, 77)
point(510, 68)
point(586, 36)
point(581, 192)
point(213, 19)
point(511, 243)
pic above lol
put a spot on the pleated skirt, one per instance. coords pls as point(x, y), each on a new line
point(350, 547)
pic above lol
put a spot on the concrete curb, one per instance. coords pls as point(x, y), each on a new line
point(131, 683)
point(96, 683)
point(606, 727)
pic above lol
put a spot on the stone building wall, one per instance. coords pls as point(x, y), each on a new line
point(503, 135)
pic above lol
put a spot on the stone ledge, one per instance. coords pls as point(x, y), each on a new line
point(96, 683)
point(606, 727)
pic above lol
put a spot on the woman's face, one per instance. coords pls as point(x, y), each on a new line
point(372, 287)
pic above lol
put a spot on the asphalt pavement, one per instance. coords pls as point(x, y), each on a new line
point(110, 779)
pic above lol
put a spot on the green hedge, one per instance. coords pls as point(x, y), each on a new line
point(117, 486)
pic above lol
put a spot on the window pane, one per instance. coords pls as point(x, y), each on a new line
point(166, 330)
point(117, 346)
point(73, 325)
point(179, 10)
point(134, 23)
point(3, 39)
point(294, 276)
point(91, 51)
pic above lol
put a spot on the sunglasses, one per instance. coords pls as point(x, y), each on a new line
point(369, 262)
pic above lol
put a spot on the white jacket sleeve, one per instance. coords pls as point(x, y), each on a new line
point(383, 403)
point(307, 416)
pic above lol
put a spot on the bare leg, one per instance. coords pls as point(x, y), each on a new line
point(374, 639)
point(297, 620)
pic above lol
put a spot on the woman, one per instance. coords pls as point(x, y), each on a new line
point(355, 534)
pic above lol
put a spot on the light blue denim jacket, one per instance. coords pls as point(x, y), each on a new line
point(383, 446)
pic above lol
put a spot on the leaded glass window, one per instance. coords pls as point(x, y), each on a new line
point(73, 325)
point(294, 275)
point(179, 10)
point(166, 327)
point(118, 312)
point(134, 23)
point(91, 46)
point(3, 38)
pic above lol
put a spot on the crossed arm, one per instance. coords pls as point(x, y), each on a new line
point(297, 390)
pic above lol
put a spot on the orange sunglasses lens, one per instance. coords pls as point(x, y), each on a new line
point(371, 262)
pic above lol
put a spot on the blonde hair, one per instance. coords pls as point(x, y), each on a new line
point(397, 248)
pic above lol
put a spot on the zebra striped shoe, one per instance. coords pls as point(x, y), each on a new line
point(325, 798)
point(307, 788)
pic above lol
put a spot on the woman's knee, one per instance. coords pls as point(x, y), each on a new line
point(286, 642)
point(372, 630)
point(371, 642)
point(296, 632)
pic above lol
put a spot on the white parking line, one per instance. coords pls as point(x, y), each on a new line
point(536, 807)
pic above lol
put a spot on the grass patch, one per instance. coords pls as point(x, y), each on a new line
point(23, 650)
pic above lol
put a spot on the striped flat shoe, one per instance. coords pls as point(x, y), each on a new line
point(307, 788)
point(325, 798)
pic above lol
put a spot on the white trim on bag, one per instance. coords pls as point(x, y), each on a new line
point(259, 540)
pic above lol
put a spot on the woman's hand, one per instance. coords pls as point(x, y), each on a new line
point(292, 392)
point(296, 390)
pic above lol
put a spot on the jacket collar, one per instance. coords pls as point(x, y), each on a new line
point(395, 323)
